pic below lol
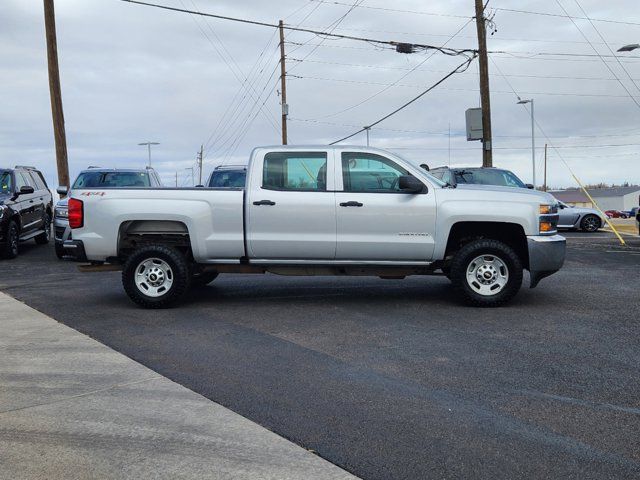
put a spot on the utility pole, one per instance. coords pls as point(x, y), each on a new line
point(200, 155)
point(283, 85)
point(485, 100)
point(55, 94)
point(367, 129)
point(545, 168)
point(176, 179)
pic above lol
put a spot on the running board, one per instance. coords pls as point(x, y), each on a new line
point(29, 236)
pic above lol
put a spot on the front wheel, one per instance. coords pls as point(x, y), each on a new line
point(590, 223)
point(487, 273)
point(156, 276)
point(10, 248)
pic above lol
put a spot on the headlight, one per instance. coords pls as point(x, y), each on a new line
point(548, 209)
point(62, 213)
point(548, 219)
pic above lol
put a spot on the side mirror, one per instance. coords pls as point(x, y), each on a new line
point(529, 186)
point(424, 166)
point(410, 184)
point(26, 190)
point(62, 190)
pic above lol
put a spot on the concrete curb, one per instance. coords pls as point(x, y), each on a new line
point(72, 408)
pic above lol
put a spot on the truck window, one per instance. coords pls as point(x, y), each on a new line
point(97, 179)
point(368, 172)
point(295, 171)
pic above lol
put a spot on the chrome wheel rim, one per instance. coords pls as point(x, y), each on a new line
point(591, 224)
point(154, 277)
point(487, 275)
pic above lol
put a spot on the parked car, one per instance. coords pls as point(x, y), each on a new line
point(228, 176)
point(97, 177)
point(586, 219)
point(25, 209)
point(616, 214)
point(478, 176)
point(320, 211)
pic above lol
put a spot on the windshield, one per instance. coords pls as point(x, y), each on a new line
point(228, 179)
point(6, 185)
point(112, 179)
point(489, 176)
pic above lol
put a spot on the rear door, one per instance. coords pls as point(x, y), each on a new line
point(40, 197)
point(376, 221)
point(291, 206)
point(26, 203)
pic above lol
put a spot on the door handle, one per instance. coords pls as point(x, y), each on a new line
point(351, 204)
point(264, 202)
point(30, 201)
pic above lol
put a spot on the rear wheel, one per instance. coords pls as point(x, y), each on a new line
point(45, 236)
point(487, 273)
point(10, 248)
point(590, 223)
point(156, 276)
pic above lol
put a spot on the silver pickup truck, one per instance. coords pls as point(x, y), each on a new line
point(318, 210)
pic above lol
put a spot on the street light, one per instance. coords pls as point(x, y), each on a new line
point(533, 138)
point(148, 144)
point(629, 48)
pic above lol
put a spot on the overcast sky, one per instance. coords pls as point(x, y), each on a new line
point(132, 73)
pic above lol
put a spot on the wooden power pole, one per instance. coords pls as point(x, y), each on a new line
point(55, 94)
point(283, 85)
point(485, 100)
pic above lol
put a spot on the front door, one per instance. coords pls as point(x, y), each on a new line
point(291, 206)
point(376, 220)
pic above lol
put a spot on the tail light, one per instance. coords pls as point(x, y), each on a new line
point(76, 213)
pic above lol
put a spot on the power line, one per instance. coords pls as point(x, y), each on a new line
point(608, 47)
point(460, 68)
point(446, 51)
point(515, 75)
point(566, 15)
point(396, 10)
point(598, 53)
point(371, 97)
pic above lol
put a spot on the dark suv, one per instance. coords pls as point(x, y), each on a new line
point(25, 209)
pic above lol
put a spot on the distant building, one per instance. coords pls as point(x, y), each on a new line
point(614, 198)
point(577, 198)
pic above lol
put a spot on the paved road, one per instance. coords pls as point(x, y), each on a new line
point(395, 379)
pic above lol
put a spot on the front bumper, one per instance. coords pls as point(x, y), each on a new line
point(61, 230)
point(546, 256)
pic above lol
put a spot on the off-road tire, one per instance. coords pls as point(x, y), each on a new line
point(180, 269)
point(203, 278)
point(45, 236)
point(587, 223)
point(464, 257)
point(10, 247)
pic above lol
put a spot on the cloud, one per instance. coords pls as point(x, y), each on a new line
point(131, 74)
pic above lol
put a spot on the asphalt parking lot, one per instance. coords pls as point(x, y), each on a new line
point(394, 379)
